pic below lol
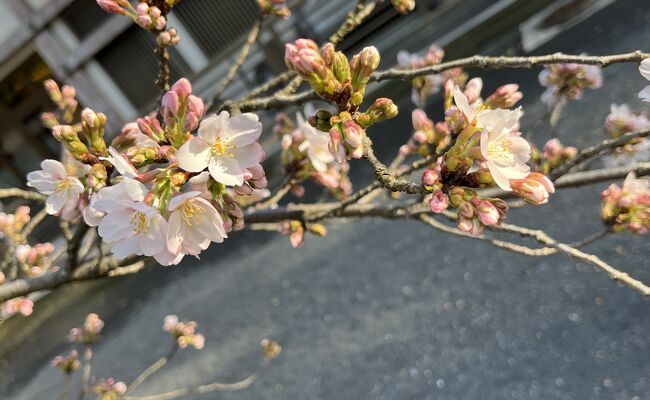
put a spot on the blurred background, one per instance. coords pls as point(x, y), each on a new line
point(377, 309)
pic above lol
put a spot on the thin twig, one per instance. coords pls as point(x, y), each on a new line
point(487, 62)
point(243, 54)
point(24, 194)
point(88, 359)
point(592, 151)
point(153, 368)
point(212, 387)
point(543, 238)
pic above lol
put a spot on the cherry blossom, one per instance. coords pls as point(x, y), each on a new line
point(62, 189)
point(504, 150)
point(225, 145)
point(316, 145)
point(133, 227)
point(193, 224)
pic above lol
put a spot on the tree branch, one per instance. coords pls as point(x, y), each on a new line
point(487, 62)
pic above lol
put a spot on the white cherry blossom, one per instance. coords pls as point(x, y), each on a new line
point(315, 144)
point(193, 224)
point(225, 145)
point(63, 190)
point(504, 150)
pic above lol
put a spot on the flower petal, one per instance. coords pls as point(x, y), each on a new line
point(645, 94)
point(243, 129)
point(226, 170)
point(212, 127)
point(248, 155)
point(194, 155)
point(644, 68)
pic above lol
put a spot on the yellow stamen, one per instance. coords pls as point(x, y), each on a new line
point(62, 185)
point(189, 211)
point(222, 148)
point(500, 151)
point(140, 222)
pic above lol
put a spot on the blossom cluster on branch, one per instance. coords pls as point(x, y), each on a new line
point(174, 181)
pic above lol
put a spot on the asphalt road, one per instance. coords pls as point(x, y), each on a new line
point(392, 310)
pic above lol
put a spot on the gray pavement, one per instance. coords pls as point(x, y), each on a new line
point(390, 309)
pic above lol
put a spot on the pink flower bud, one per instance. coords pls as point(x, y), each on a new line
point(438, 201)
point(420, 120)
point(182, 87)
point(533, 189)
point(89, 117)
point(505, 96)
point(473, 89)
point(170, 105)
point(195, 105)
point(353, 133)
point(430, 177)
point(486, 212)
point(22, 252)
point(110, 6)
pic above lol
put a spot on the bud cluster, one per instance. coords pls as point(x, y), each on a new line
point(67, 364)
point(147, 16)
point(184, 333)
point(277, 8)
point(474, 212)
point(34, 260)
point(329, 72)
point(17, 305)
point(296, 231)
point(427, 138)
point(90, 332)
point(569, 80)
point(65, 99)
point(109, 389)
point(620, 121)
point(12, 224)
point(552, 156)
point(627, 208)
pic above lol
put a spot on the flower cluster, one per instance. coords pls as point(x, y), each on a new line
point(67, 364)
point(568, 81)
point(424, 87)
point(277, 8)
point(109, 389)
point(147, 16)
point(622, 120)
point(184, 333)
point(483, 148)
point(306, 155)
point(90, 332)
point(627, 208)
point(553, 155)
point(177, 208)
point(403, 6)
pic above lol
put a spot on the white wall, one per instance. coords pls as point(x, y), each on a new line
point(9, 21)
